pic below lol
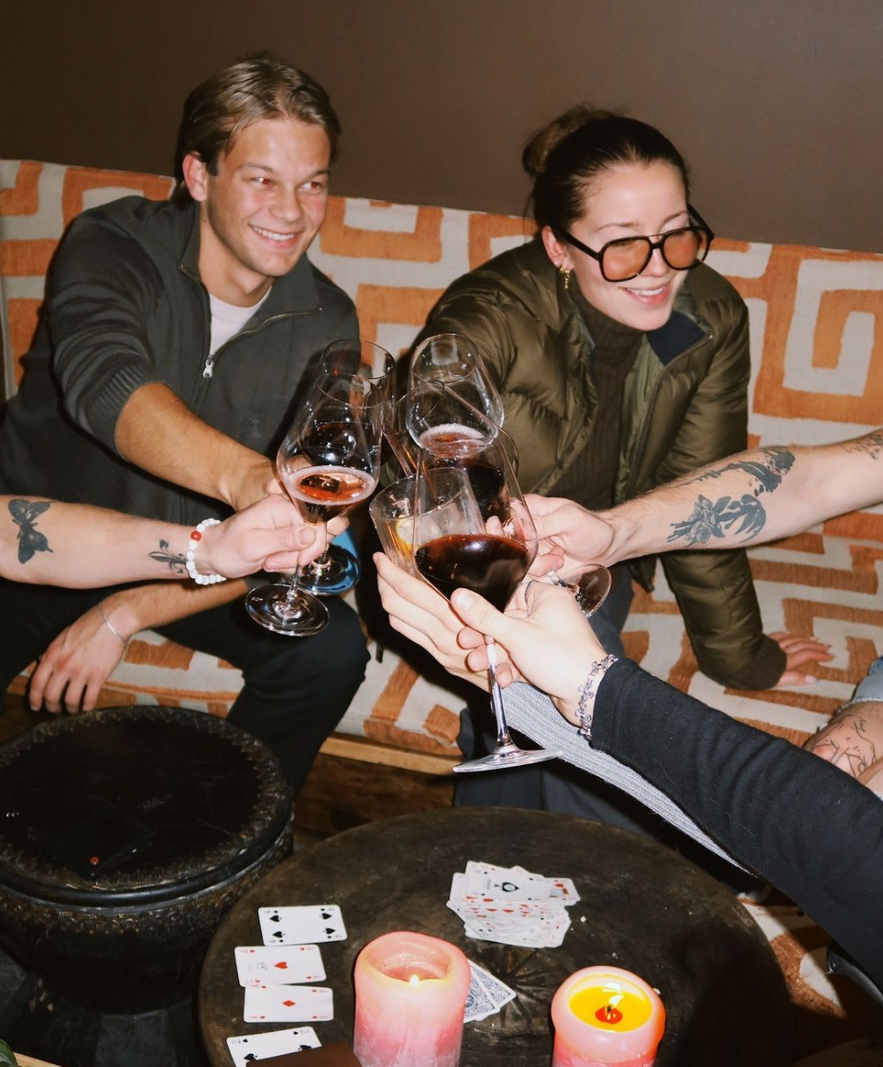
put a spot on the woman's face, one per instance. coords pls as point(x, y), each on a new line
point(630, 200)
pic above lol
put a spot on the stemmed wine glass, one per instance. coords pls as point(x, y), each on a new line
point(337, 570)
point(453, 546)
point(449, 430)
point(451, 393)
point(328, 462)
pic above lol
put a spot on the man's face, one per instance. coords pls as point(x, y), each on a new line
point(260, 212)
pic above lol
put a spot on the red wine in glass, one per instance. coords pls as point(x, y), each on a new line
point(490, 564)
point(453, 546)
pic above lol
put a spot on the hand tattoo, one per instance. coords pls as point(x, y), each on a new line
point(177, 563)
point(30, 540)
point(715, 518)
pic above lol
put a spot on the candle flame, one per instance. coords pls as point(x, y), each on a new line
point(414, 979)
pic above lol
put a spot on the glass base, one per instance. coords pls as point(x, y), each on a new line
point(507, 756)
point(301, 615)
point(337, 573)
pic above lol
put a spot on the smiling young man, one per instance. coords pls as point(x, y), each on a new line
point(160, 383)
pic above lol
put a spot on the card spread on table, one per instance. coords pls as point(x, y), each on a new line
point(252, 1048)
point(337, 1055)
point(307, 925)
point(486, 995)
point(512, 906)
point(278, 964)
point(288, 1004)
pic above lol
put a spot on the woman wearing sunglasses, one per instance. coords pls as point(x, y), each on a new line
point(623, 362)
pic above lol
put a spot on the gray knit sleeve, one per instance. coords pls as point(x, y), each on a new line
point(533, 714)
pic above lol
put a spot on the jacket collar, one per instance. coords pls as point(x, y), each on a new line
point(294, 293)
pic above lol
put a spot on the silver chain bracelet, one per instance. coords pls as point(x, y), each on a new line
point(587, 692)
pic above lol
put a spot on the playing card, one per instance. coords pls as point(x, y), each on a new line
point(506, 883)
point(478, 1002)
point(250, 1048)
point(288, 1004)
point(278, 964)
point(307, 925)
point(498, 991)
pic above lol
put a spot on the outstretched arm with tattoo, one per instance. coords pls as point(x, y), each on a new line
point(747, 499)
point(79, 546)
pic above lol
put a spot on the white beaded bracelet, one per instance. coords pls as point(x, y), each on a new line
point(587, 692)
point(195, 538)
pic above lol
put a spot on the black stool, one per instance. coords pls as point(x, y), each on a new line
point(125, 836)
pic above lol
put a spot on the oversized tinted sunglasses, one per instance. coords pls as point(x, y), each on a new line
point(626, 257)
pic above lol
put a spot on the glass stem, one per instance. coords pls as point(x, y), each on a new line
point(293, 588)
point(503, 738)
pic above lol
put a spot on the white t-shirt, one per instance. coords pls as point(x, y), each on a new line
point(228, 319)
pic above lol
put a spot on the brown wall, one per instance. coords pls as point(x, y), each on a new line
point(778, 105)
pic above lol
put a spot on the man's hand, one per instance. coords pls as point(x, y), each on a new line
point(252, 478)
point(800, 651)
point(270, 535)
point(76, 665)
point(570, 536)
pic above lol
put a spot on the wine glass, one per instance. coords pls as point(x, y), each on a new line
point(451, 392)
point(328, 463)
point(337, 570)
point(453, 546)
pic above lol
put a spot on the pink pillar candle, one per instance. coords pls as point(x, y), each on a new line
point(606, 1017)
point(410, 997)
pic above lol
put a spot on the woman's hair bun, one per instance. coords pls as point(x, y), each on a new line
point(537, 150)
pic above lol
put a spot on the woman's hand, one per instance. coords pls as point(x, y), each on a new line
point(800, 651)
point(548, 639)
point(425, 617)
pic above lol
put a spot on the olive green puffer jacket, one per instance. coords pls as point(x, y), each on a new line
point(684, 405)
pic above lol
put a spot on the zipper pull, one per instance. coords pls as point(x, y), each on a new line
point(208, 369)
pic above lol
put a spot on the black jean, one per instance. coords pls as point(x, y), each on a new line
point(296, 689)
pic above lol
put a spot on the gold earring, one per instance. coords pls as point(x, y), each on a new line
point(565, 273)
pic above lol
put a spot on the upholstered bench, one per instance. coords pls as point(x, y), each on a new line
point(817, 347)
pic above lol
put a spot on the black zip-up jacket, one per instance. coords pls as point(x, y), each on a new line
point(125, 307)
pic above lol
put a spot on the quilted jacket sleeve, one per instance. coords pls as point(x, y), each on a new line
point(714, 590)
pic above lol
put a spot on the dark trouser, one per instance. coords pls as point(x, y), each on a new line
point(296, 689)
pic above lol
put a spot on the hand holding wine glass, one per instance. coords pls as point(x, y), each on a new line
point(328, 463)
point(455, 547)
point(337, 570)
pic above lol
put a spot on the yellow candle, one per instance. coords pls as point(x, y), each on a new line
point(606, 1017)
point(611, 1005)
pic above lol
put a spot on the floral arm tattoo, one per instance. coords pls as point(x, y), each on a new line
point(715, 518)
point(30, 540)
point(176, 561)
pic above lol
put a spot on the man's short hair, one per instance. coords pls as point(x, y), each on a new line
point(261, 86)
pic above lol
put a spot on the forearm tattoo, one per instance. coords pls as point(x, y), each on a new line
point(871, 444)
point(716, 518)
point(176, 561)
point(30, 540)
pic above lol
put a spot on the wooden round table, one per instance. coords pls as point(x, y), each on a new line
point(643, 907)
